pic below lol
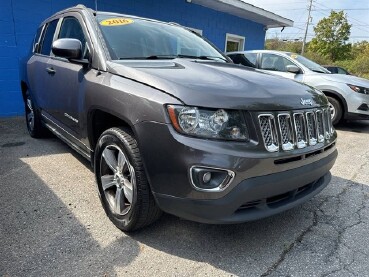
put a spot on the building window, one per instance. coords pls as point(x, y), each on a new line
point(234, 43)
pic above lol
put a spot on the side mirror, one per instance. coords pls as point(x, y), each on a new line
point(293, 69)
point(68, 48)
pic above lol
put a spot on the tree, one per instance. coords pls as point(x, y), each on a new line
point(331, 36)
point(289, 46)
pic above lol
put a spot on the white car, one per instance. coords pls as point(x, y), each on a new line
point(348, 95)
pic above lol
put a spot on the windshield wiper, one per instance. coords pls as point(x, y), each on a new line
point(319, 71)
point(159, 57)
point(212, 58)
point(153, 57)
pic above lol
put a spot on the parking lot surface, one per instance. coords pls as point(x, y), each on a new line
point(52, 223)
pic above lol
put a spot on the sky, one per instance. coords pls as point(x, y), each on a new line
point(297, 10)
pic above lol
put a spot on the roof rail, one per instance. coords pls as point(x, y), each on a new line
point(81, 6)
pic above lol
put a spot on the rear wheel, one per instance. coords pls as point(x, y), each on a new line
point(335, 109)
point(123, 187)
point(33, 119)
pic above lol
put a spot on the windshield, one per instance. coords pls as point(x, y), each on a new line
point(308, 63)
point(132, 38)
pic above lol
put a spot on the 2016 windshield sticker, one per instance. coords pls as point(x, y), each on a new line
point(116, 21)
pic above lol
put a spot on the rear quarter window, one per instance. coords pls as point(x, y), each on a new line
point(36, 40)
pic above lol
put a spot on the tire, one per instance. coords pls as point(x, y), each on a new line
point(336, 110)
point(123, 188)
point(33, 119)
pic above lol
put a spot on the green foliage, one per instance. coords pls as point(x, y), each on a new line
point(331, 36)
point(288, 46)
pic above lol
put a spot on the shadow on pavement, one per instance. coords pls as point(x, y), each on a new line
point(39, 234)
point(360, 126)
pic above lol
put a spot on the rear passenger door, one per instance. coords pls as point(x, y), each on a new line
point(37, 64)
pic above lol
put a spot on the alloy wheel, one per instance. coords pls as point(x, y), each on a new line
point(118, 180)
point(332, 110)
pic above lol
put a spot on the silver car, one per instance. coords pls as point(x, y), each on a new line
point(348, 95)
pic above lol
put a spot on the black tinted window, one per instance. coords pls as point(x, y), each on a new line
point(243, 59)
point(48, 37)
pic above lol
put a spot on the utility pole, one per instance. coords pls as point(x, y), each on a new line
point(307, 27)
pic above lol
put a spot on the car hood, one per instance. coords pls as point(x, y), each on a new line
point(219, 85)
point(347, 79)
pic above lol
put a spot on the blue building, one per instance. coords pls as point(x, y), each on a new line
point(229, 24)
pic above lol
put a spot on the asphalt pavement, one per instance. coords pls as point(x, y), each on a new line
point(52, 223)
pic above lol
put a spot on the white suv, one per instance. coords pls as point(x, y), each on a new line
point(348, 95)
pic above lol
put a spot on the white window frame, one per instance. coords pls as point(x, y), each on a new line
point(235, 38)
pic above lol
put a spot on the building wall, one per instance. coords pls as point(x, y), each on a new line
point(19, 20)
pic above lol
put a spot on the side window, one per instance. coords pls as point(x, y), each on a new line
point(48, 37)
point(242, 59)
point(36, 40)
point(341, 70)
point(251, 58)
point(71, 28)
point(274, 62)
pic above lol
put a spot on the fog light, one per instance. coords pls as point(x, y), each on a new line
point(206, 177)
point(210, 179)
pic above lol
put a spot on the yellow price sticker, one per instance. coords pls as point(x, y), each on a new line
point(116, 21)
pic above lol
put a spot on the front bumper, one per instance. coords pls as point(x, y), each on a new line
point(261, 187)
point(254, 198)
point(355, 103)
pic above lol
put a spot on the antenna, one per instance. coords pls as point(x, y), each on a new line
point(95, 5)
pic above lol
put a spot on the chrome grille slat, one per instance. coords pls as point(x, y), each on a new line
point(297, 129)
point(320, 125)
point(311, 127)
point(300, 130)
point(269, 132)
point(285, 130)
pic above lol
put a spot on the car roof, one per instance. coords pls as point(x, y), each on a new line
point(80, 8)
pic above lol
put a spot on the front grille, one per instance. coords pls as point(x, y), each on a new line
point(295, 129)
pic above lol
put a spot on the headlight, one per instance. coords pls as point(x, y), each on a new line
point(359, 89)
point(208, 123)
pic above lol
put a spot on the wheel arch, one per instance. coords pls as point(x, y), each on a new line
point(339, 97)
point(99, 120)
point(24, 89)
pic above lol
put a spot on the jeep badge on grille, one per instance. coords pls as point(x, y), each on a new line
point(306, 102)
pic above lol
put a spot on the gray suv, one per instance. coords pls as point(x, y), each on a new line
point(171, 124)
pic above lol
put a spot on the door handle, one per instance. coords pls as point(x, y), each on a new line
point(50, 70)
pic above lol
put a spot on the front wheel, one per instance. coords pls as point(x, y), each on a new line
point(123, 187)
point(335, 110)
